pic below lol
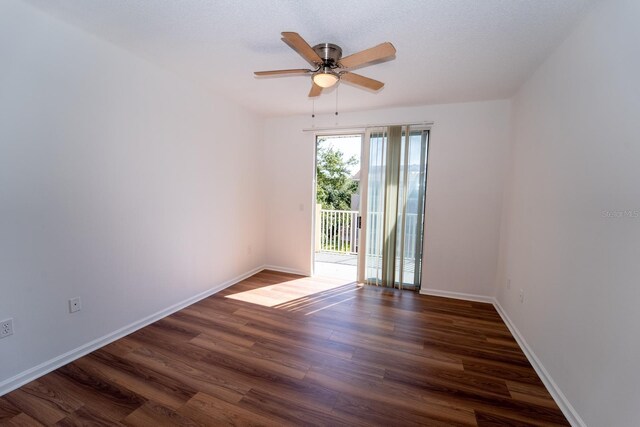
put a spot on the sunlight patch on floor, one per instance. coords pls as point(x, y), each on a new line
point(286, 292)
point(321, 300)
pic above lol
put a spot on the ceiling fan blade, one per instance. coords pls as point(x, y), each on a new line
point(363, 81)
point(297, 43)
point(282, 72)
point(381, 51)
point(315, 90)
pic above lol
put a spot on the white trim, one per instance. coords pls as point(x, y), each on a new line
point(286, 270)
point(457, 295)
point(365, 160)
point(561, 400)
point(361, 128)
point(29, 375)
point(337, 132)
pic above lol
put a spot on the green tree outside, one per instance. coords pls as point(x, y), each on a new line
point(334, 183)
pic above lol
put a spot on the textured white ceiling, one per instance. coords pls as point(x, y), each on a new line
point(447, 50)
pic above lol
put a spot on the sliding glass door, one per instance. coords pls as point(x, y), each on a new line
point(393, 226)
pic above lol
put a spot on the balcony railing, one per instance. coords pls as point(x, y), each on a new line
point(337, 231)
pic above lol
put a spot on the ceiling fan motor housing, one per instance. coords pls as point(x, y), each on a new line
point(330, 54)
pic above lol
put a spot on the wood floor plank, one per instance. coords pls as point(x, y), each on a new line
point(380, 395)
point(484, 401)
point(267, 360)
point(379, 356)
point(374, 413)
point(154, 414)
point(44, 408)
point(320, 352)
point(22, 420)
point(288, 412)
point(142, 381)
point(535, 394)
point(501, 369)
point(305, 393)
point(100, 391)
point(94, 399)
point(121, 347)
point(491, 420)
point(331, 347)
point(215, 330)
point(206, 410)
point(86, 416)
point(7, 410)
point(54, 396)
point(215, 383)
point(153, 338)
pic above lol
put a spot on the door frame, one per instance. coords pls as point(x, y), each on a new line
point(364, 202)
point(339, 132)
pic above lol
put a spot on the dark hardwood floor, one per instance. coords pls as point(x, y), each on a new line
point(278, 349)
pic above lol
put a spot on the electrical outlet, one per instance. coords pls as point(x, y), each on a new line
point(508, 283)
point(6, 328)
point(521, 296)
point(75, 305)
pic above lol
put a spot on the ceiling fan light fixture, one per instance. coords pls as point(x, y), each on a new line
point(326, 78)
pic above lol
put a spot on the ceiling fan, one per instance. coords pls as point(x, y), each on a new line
point(329, 66)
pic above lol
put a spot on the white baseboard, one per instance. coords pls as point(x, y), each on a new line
point(285, 270)
point(561, 400)
point(44, 368)
point(457, 295)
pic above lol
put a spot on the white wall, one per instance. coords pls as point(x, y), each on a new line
point(568, 241)
point(119, 183)
point(469, 143)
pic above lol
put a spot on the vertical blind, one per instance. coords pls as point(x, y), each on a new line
point(395, 206)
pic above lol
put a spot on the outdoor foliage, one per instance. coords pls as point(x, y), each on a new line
point(335, 185)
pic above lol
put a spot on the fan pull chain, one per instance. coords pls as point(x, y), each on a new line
point(313, 112)
point(337, 87)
